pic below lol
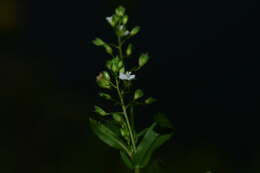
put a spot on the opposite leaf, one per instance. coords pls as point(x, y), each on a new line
point(150, 142)
point(107, 135)
point(162, 121)
point(128, 162)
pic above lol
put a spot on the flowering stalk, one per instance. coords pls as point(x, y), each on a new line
point(116, 128)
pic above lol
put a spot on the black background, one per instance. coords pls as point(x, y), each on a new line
point(203, 70)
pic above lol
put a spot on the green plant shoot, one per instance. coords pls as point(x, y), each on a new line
point(116, 127)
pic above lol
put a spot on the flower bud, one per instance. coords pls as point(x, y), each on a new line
point(138, 94)
point(143, 59)
point(124, 132)
point(100, 111)
point(135, 30)
point(106, 75)
point(98, 42)
point(125, 19)
point(115, 64)
point(102, 82)
point(120, 11)
point(109, 64)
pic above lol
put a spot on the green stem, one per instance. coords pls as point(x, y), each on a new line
point(120, 48)
point(122, 100)
point(125, 115)
point(137, 170)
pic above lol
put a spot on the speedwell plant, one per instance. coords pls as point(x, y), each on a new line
point(115, 125)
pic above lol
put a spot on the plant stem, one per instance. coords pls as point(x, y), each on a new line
point(120, 48)
point(137, 170)
point(125, 115)
point(122, 100)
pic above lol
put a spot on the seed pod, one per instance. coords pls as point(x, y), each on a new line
point(105, 96)
point(150, 100)
point(98, 42)
point(135, 30)
point(100, 111)
point(117, 117)
point(143, 59)
point(138, 94)
point(129, 49)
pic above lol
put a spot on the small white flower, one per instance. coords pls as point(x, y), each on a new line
point(126, 76)
point(109, 19)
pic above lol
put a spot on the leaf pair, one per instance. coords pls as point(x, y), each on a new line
point(108, 136)
point(149, 143)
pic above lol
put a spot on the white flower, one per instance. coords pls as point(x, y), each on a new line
point(109, 19)
point(126, 76)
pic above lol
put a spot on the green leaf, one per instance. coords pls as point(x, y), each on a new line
point(140, 134)
point(138, 94)
point(162, 121)
point(150, 142)
point(107, 135)
point(128, 162)
point(143, 59)
point(144, 146)
point(160, 140)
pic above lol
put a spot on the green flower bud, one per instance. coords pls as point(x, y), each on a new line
point(115, 64)
point(106, 75)
point(117, 117)
point(98, 42)
point(120, 64)
point(102, 82)
point(115, 19)
point(135, 30)
point(109, 64)
point(124, 132)
point(129, 49)
point(105, 96)
point(100, 111)
point(138, 94)
point(143, 59)
point(125, 19)
point(109, 50)
point(150, 100)
point(120, 11)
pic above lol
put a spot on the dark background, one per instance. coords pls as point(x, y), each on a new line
point(203, 70)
